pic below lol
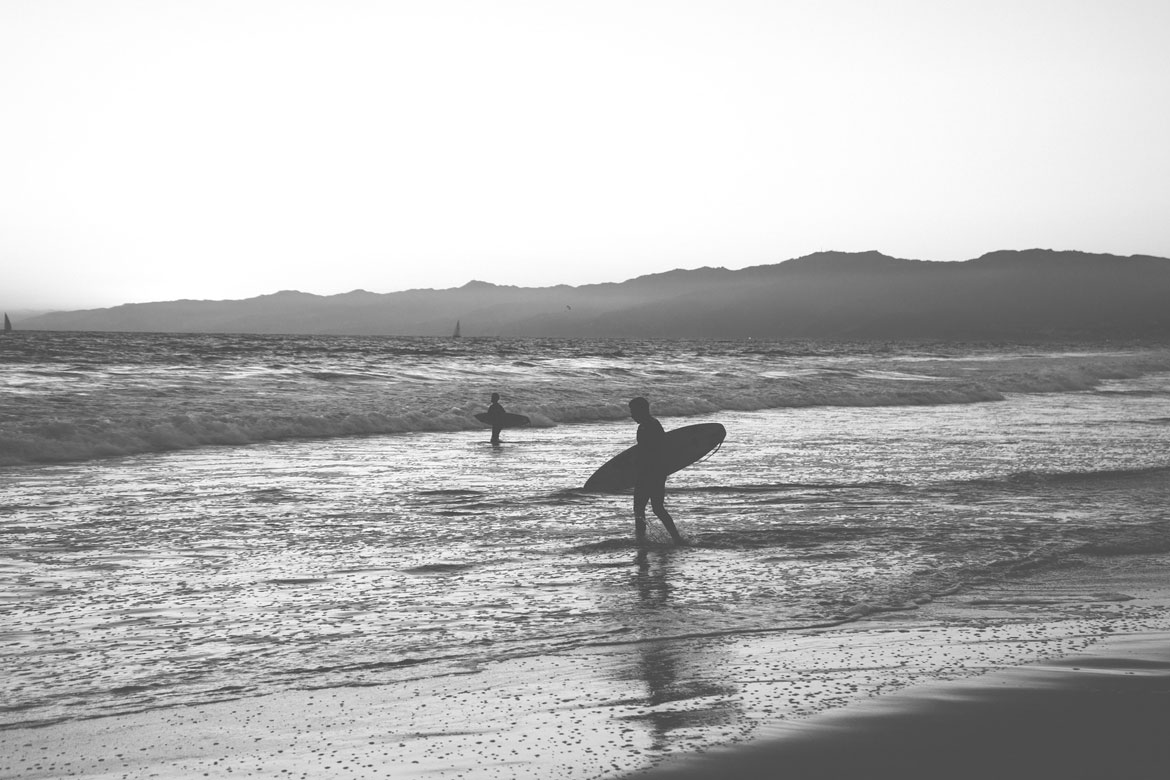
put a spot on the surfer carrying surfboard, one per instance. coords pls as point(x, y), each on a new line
point(496, 413)
point(650, 484)
point(496, 417)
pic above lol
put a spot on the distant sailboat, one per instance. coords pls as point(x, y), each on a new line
point(7, 323)
point(455, 335)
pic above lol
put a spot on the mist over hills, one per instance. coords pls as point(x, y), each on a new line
point(1031, 294)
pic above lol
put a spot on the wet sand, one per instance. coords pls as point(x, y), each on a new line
point(1094, 715)
point(1105, 714)
point(1057, 679)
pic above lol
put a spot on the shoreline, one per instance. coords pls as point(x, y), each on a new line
point(1045, 677)
point(1098, 714)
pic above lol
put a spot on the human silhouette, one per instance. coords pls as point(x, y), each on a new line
point(496, 413)
point(650, 485)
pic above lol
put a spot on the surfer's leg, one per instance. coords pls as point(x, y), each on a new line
point(641, 498)
point(495, 434)
point(658, 503)
point(667, 521)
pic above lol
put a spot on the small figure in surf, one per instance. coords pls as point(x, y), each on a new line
point(496, 413)
point(651, 483)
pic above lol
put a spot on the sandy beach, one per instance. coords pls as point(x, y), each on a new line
point(1093, 715)
point(903, 694)
point(1100, 711)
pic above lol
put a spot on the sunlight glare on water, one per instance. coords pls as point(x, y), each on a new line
point(360, 556)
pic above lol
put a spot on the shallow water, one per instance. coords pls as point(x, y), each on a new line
point(202, 573)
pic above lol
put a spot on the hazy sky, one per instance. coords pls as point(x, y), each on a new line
point(162, 149)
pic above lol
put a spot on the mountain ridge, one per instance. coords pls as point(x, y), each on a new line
point(1036, 293)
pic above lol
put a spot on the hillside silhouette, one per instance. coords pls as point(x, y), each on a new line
point(1033, 294)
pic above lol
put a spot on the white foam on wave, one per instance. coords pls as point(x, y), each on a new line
point(124, 409)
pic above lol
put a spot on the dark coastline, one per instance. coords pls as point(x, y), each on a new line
point(1025, 296)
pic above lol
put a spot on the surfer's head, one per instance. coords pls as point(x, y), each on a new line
point(495, 397)
point(639, 408)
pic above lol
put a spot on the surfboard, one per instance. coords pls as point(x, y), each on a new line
point(508, 420)
point(683, 447)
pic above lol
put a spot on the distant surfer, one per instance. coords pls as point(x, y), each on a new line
point(650, 486)
point(498, 419)
point(496, 414)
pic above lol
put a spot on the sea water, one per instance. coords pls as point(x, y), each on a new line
point(193, 518)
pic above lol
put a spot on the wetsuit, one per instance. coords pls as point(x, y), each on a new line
point(496, 413)
point(650, 486)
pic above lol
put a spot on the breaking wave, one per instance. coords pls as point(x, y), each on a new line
point(158, 392)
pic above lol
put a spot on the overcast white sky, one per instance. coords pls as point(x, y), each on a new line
point(163, 149)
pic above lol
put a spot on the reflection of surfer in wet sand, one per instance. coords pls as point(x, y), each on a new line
point(496, 413)
point(650, 486)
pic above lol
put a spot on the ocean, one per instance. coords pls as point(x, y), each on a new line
point(191, 519)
